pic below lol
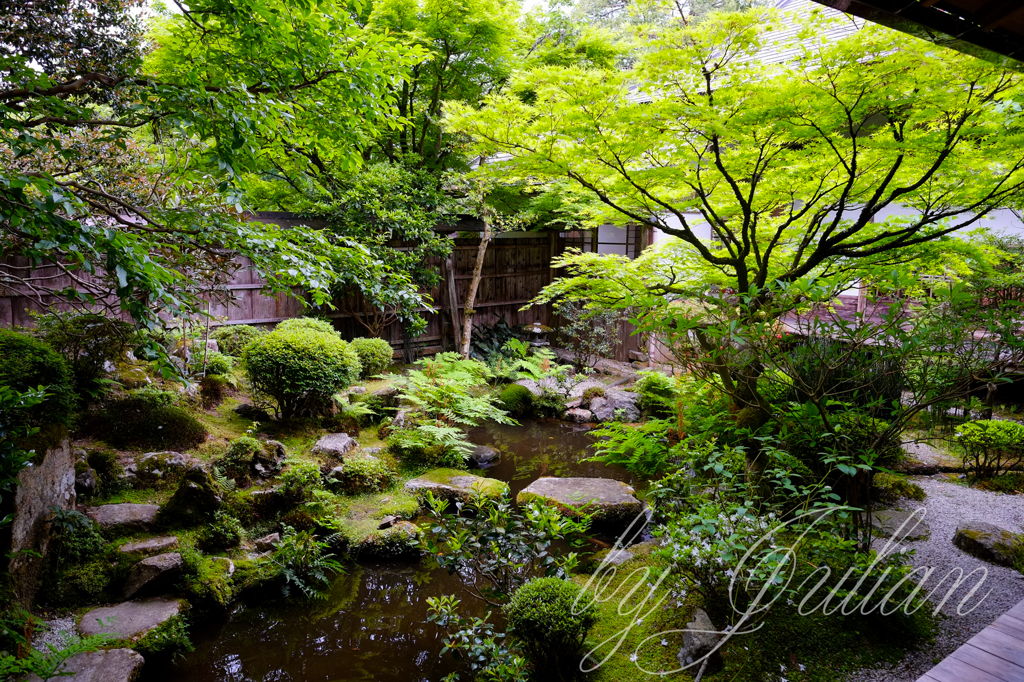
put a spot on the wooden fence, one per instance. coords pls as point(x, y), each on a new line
point(517, 266)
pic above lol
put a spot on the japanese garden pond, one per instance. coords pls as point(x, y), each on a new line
point(373, 625)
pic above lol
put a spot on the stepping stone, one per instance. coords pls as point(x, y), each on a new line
point(111, 665)
point(129, 619)
point(607, 500)
point(401, 538)
point(154, 574)
point(888, 521)
point(149, 546)
point(483, 455)
point(335, 445)
point(455, 485)
point(988, 542)
point(124, 517)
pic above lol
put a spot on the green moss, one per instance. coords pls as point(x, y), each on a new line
point(207, 580)
point(488, 487)
point(168, 639)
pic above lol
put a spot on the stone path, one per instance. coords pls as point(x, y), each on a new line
point(129, 619)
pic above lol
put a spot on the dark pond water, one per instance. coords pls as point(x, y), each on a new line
point(373, 626)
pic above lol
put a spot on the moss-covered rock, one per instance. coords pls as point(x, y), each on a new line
point(989, 542)
point(605, 500)
point(195, 500)
point(455, 485)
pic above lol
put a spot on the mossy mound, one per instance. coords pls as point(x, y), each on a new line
point(361, 523)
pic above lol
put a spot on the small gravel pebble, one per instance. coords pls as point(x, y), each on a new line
point(948, 505)
point(59, 632)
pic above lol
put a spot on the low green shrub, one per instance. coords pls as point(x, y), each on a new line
point(376, 355)
point(206, 581)
point(170, 638)
point(27, 363)
point(516, 400)
point(232, 339)
point(300, 369)
point(223, 532)
point(364, 475)
point(217, 364)
point(300, 480)
point(550, 619)
point(135, 422)
point(549, 404)
point(591, 393)
point(155, 397)
point(105, 463)
point(991, 446)
point(212, 390)
point(237, 461)
point(890, 488)
point(74, 537)
point(657, 394)
point(308, 323)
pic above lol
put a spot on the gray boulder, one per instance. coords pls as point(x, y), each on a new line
point(268, 542)
point(153, 574)
point(608, 501)
point(578, 415)
point(357, 390)
point(124, 517)
point(539, 387)
point(158, 545)
point(455, 485)
point(86, 483)
point(109, 665)
point(335, 445)
point(269, 460)
point(607, 408)
point(195, 500)
point(484, 456)
point(129, 619)
point(699, 637)
point(988, 542)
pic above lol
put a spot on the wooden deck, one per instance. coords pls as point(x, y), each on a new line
point(996, 654)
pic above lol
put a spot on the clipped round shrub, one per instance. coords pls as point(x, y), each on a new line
point(134, 421)
point(364, 475)
point(27, 363)
point(657, 394)
point(310, 323)
point(374, 354)
point(550, 619)
point(232, 339)
point(300, 480)
point(217, 364)
point(299, 370)
point(516, 400)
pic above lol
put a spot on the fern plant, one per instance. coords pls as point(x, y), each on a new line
point(642, 450)
point(306, 562)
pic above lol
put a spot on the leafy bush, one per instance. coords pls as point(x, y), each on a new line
point(497, 546)
point(134, 421)
point(25, 364)
point(306, 563)
point(890, 488)
point(657, 394)
point(991, 447)
point(516, 400)
point(374, 354)
point(14, 429)
point(169, 638)
point(87, 341)
point(300, 480)
point(476, 642)
point(549, 404)
point(105, 463)
point(591, 334)
point(237, 461)
point(223, 532)
point(232, 339)
point(211, 390)
point(300, 369)
point(307, 323)
point(75, 538)
point(365, 475)
point(155, 397)
point(591, 393)
point(217, 364)
point(550, 619)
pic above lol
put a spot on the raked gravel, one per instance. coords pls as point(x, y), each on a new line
point(949, 505)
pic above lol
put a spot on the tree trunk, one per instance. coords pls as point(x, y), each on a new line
point(467, 319)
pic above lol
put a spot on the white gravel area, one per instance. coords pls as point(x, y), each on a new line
point(948, 505)
point(59, 632)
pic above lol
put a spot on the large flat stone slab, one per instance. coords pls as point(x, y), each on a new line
point(128, 517)
point(607, 501)
point(130, 619)
point(891, 522)
point(455, 485)
point(335, 445)
point(111, 665)
point(158, 545)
